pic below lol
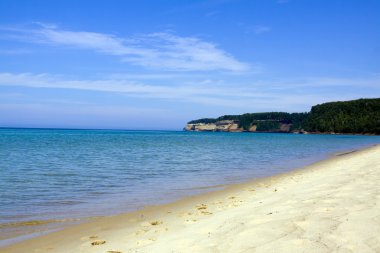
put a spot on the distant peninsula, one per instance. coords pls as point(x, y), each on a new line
point(361, 116)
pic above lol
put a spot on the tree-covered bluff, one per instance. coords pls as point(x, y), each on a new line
point(360, 116)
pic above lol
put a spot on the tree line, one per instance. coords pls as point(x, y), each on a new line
point(356, 116)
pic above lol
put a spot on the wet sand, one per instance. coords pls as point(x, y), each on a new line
point(330, 206)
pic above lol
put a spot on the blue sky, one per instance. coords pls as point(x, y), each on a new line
point(158, 64)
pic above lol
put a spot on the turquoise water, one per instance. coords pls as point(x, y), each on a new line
point(54, 174)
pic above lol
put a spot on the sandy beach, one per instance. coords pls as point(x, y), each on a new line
point(330, 206)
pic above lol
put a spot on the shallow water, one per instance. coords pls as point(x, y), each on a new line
point(60, 174)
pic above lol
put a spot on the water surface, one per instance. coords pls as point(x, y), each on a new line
point(58, 174)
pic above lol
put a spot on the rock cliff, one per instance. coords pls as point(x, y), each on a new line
point(234, 126)
point(218, 126)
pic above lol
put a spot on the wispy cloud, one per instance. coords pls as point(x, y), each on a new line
point(164, 51)
point(256, 29)
point(252, 96)
point(261, 29)
point(133, 87)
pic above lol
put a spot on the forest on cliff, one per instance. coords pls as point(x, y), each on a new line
point(360, 116)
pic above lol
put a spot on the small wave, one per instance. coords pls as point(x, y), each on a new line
point(62, 202)
point(202, 187)
point(35, 223)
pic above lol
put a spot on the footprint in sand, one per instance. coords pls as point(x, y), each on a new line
point(151, 223)
point(155, 223)
point(142, 231)
point(100, 242)
point(201, 207)
point(191, 221)
point(146, 242)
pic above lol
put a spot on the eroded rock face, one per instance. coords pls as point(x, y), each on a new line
point(219, 126)
point(285, 127)
point(252, 128)
point(233, 126)
point(189, 127)
point(205, 127)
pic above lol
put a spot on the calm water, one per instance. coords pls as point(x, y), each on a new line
point(53, 174)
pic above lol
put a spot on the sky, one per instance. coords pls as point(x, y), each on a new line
point(124, 64)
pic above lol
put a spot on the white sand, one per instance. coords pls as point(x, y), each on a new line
point(331, 206)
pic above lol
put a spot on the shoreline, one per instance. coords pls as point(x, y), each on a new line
point(281, 132)
point(141, 222)
point(36, 228)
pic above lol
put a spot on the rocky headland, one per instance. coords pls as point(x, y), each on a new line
point(361, 116)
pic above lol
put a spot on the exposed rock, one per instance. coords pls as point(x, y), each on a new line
point(301, 131)
point(285, 127)
point(252, 128)
point(205, 127)
point(234, 128)
point(219, 126)
point(189, 127)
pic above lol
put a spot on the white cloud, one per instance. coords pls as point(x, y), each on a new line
point(96, 41)
point(252, 96)
point(133, 88)
point(183, 53)
point(164, 51)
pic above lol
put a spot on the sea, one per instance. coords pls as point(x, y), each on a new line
point(57, 175)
